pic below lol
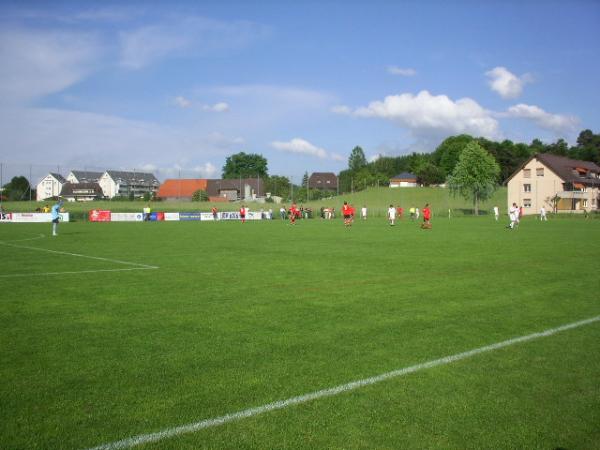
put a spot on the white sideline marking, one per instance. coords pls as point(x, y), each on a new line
point(139, 265)
point(281, 404)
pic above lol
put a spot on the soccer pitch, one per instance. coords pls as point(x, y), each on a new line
point(187, 335)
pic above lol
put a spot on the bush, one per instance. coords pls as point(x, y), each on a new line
point(200, 196)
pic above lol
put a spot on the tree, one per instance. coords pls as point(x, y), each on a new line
point(430, 174)
point(200, 196)
point(475, 175)
point(448, 152)
point(357, 159)
point(278, 185)
point(17, 189)
point(242, 165)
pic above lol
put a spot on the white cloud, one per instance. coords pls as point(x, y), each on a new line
point(182, 102)
point(301, 146)
point(217, 107)
point(181, 35)
point(341, 109)
point(38, 63)
point(505, 83)
point(554, 122)
point(425, 114)
point(402, 72)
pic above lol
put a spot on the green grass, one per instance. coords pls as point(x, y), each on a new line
point(238, 316)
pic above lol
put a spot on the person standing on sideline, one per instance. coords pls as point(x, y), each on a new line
point(543, 214)
point(513, 214)
point(417, 213)
point(293, 214)
point(391, 214)
point(426, 217)
point(214, 212)
point(412, 213)
point(243, 214)
point(363, 212)
point(496, 213)
point(282, 213)
point(347, 213)
point(147, 212)
point(55, 215)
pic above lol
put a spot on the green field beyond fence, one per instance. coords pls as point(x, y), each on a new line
point(116, 330)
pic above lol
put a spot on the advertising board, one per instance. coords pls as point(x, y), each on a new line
point(98, 215)
point(185, 216)
point(157, 216)
point(126, 217)
point(35, 217)
point(171, 216)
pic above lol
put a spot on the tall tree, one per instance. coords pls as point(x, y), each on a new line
point(242, 165)
point(448, 152)
point(357, 159)
point(17, 189)
point(278, 185)
point(475, 175)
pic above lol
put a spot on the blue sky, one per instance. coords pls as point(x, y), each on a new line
point(175, 87)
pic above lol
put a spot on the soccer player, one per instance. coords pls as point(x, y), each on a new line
point(496, 213)
point(214, 212)
point(391, 214)
point(513, 213)
point(243, 214)
point(543, 214)
point(294, 212)
point(363, 212)
point(56, 217)
point(347, 213)
point(426, 217)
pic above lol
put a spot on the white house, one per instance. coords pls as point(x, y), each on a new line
point(50, 186)
point(556, 183)
point(125, 184)
point(83, 176)
point(405, 179)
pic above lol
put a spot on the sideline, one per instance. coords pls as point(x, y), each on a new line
point(137, 266)
point(250, 412)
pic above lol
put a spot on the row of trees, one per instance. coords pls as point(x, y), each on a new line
point(497, 160)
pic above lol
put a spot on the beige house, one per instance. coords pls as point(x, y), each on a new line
point(50, 186)
point(557, 183)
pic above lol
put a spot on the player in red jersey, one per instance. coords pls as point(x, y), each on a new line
point(294, 213)
point(243, 214)
point(426, 217)
point(347, 213)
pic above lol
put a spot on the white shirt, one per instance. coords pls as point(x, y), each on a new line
point(496, 212)
point(364, 212)
point(392, 213)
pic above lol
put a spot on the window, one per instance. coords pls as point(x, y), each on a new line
point(526, 173)
point(584, 202)
point(539, 171)
point(527, 203)
point(526, 188)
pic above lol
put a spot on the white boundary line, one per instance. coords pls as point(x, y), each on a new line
point(281, 404)
point(137, 266)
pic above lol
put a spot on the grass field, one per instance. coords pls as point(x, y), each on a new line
point(210, 319)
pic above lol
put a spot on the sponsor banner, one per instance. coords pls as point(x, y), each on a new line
point(229, 215)
point(5, 217)
point(35, 217)
point(157, 216)
point(126, 217)
point(171, 216)
point(185, 216)
point(207, 216)
point(97, 215)
point(255, 215)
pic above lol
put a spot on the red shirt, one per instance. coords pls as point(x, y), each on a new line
point(426, 213)
point(346, 210)
point(242, 211)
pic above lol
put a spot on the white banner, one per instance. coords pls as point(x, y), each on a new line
point(36, 217)
point(171, 216)
point(126, 217)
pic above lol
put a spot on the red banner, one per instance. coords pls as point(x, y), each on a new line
point(96, 215)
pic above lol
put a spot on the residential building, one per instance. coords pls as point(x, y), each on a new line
point(236, 189)
point(126, 184)
point(405, 179)
point(181, 189)
point(83, 176)
point(323, 180)
point(50, 186)
point(81, 192)
point(557, 183)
